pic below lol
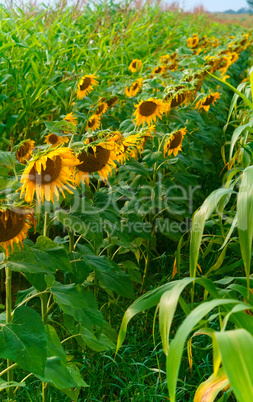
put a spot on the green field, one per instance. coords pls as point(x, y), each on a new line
point(126, 217)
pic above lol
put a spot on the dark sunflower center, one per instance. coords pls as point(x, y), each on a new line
point(53, 138)
point(91, 123)
point(158, 70)
point(111, 101)
point(93, 161)
point(49, 174)
point(209, 100)
point(100, 109)
point(11, 224)
point(85, 84)
point(134, 64)
point(176, 140)
point(23, 150)
point(134, 86)
point(177, 100)
point(147, 108)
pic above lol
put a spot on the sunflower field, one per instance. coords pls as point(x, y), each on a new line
point(126, 205)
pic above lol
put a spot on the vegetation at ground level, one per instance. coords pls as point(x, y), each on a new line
point(126, 213)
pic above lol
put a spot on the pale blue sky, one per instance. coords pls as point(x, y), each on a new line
point(214, 5)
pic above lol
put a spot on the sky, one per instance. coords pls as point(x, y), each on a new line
point(214, 5)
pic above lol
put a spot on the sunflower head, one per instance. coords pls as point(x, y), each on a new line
point(24, 150)
point(135, 65)
point(147, 111)
point(93, 123)
point(101, 109)
point(85, 85)
point(160, 69)
point(111, 102)
point(14, 225)
point(207, 101)
point(97, 158)
point(55, 140)
point(174, 142)
point(71, 118)
point(48, 175)
point(134, 88)
point(193, 41)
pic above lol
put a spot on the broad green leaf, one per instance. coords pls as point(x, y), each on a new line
point(51, 254)
point(24, 339)
point(79, 303)
point(209, 389)
point(110, 275)
point(198, 223)
point(60, 375)
point(245, 218)
point(236, 348)
point(54, 346)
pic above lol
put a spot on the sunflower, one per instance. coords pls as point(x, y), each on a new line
point(101, 109)
point(135, 65)
point(178, 99)
point(160, 69)
point(85, 85)
point(48, 175)
point(111, 102)
point(207, 101)
point(71, 118)
point(14, 225)
point(93, 122)
point(234, 57)
point(173, 66)
point(134, 88)
point(174, 143)
point(25, 148)
point(193, 41)
point(147, 111)
point(55, 140)
point(98, 158)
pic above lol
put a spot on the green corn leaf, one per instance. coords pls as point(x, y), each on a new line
point(245, 218)
point(236, 348)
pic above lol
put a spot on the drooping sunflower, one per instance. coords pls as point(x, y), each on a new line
point(14, 225)
point(135, 65)
point(207, 101)
point(147, 111)
point(173, 66)
point(71, 118)
point(134, 88)
point(160, 69)
point(55, 140)
point(111, 102)
point(85, 85)
point(174, 142)
point(93, 123)
point(24, 150)
point(193, 41)
point(101, 109)
point(48, 175)
point(178, 99)
point(168, 57)
point(97, 158)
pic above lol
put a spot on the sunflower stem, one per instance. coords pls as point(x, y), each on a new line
point(71, 240)
point(8, 320)
point(44, 317)
point(46, 224)
point(44, 299)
